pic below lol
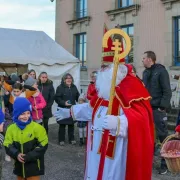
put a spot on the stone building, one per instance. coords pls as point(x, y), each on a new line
point(153, 24)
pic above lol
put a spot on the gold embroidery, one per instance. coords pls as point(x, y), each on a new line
point(109, 141)
point(118, 128)
point(106, 54)
point(138, 99)
point(97, 108)
point(95, 103)
point(113, 150)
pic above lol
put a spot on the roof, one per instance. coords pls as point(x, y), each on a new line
point(31, 47)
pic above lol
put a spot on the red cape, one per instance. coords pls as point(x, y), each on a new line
point(132, 96)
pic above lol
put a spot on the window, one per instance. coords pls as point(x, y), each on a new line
point(129, 29)
point(124, 3)
point(177, 41)
point(81, 8)
point(81, 47)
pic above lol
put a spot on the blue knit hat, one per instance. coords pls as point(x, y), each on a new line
point(1, 116)
point(20, 106)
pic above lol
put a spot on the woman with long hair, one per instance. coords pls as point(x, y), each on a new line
point(32, 73)
point(45, 86)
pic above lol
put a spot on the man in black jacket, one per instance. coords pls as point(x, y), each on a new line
point(156, 80)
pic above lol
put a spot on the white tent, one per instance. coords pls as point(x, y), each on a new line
point(21, 50)
point(24, 49)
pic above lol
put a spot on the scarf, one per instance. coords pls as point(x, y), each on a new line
point(21, 124)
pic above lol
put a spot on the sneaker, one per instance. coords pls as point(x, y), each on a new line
point(73, 142)
point(163, 171)
point(61, 143)
point(7, 158)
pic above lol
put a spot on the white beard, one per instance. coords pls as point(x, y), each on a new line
point(104, 78)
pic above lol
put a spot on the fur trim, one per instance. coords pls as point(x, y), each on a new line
point(25, 76)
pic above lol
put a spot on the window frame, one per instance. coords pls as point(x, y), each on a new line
point(127, 26)
point(77, 48)
point(176, 40)
point(79, 10)
point(128, 3)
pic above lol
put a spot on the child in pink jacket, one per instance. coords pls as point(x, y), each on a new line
point(37, 101)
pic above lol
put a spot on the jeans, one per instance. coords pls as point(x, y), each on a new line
point(160, 120)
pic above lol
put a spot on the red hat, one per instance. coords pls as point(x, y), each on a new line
point(107, 53)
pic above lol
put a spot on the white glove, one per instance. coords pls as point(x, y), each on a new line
point(117, 125)
point(62, 113)
point(110, 122)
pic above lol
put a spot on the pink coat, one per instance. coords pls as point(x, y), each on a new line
point(38, 103)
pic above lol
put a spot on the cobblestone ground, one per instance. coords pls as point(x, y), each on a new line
point(66, 163)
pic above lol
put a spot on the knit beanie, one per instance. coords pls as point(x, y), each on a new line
point(30, 81)
point(14, 77)
point(1, 116)
point(20, 106)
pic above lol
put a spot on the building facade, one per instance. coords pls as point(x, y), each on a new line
point(152, 24)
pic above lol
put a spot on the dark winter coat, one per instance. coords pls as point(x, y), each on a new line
point(63, 94)
point(156, 80)
point(48, 93)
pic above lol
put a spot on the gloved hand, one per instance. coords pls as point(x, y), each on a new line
point(110, 122)
point(62, 113)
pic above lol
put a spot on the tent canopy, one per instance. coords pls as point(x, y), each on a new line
point(31, 47)
point(23, 49)
point(26, 49)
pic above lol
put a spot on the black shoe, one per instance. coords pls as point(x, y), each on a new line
point(163, 171)
point(81, 142)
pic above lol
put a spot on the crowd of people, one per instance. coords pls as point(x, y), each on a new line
point(27, 100)
point(26, 107)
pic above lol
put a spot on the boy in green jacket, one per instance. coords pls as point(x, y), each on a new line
point(26, 142)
